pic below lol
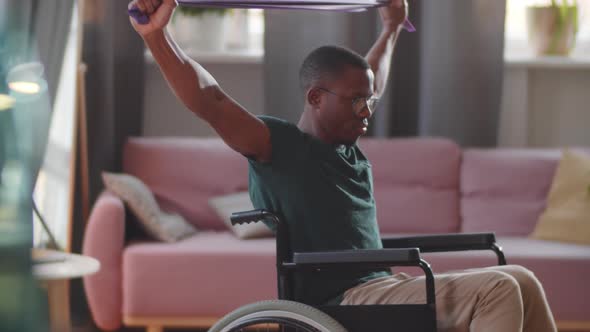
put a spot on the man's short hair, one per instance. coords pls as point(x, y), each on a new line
point(328, 62)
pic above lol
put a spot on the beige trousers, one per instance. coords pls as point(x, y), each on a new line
point(499, 298)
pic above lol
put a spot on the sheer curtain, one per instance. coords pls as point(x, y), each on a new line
point(113, 53)
point(50, 26)
point(447, 77)
point(461, 70)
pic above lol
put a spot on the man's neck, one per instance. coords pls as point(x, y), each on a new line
point(309, 126)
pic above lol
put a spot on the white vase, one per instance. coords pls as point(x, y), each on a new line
point(549, 36)
point(205, 33)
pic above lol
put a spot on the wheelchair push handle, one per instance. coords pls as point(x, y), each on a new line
point(246, 217)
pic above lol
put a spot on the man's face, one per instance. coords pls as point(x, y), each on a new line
point(343, 114)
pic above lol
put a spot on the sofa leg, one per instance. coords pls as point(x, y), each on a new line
point(155, 329)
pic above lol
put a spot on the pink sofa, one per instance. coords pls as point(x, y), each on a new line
point(422, 185)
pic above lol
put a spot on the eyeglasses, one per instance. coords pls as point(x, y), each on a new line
point(359, 103)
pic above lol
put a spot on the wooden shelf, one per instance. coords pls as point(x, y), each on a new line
point(576, 61)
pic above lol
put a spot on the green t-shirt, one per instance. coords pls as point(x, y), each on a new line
point(325, 195)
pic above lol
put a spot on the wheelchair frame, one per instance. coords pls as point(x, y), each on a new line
point(396, 252)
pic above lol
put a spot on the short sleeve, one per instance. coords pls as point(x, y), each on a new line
point(287, 142)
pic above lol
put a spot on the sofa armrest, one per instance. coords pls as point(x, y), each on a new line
point(448, 242)
point(104, 239)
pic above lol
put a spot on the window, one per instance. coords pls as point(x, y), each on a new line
point(214, 31)
point(254, 29)
point(53, 192)
point(516, 26)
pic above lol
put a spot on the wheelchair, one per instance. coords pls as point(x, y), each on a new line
point(286, 315)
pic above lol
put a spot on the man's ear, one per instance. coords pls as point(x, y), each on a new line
point(314, 97)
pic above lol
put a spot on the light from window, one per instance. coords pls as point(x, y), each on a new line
point(246, 30)
point(256, 28)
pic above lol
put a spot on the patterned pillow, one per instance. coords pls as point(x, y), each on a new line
point(138, 197)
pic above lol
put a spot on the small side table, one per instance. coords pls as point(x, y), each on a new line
point(54, 272)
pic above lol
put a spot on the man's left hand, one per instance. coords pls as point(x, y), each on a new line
point(393, 15)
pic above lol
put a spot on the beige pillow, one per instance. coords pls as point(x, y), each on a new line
point(567, 215)
point(238, 202)
point(138, 197)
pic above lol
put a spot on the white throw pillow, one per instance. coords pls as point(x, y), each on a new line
point(238, 202)
point(138, 197)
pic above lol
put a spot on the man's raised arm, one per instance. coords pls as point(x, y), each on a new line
point(196, 88)
point(379, 56)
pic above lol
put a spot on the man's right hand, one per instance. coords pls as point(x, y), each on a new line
point(158, 11)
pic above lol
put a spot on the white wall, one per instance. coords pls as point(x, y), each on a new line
point(546, 103)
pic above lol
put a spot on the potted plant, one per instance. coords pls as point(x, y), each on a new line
point(203, 29)
point(552, 28)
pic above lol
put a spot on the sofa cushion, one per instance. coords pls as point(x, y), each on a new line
point(504, 190)
point(562, 268)
point(246, 271)
point(211, 273)
point(567, 216)
point(184, 173)
point(416, 183)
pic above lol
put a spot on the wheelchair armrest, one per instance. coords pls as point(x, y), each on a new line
point(367, 257)
point(448, 242)
point(443, 242)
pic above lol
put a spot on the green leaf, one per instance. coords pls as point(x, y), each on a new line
point(565, 11)
point(198, 11)
point(575, 9)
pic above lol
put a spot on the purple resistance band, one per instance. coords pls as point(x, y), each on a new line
point(138, 16)
point(336, 5)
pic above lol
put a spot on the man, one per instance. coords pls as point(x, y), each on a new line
point(315, 177)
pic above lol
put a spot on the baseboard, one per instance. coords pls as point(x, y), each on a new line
point(573, 326)
point(170, 321)
point(206, 322)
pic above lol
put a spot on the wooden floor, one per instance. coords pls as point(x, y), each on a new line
point(90, 328)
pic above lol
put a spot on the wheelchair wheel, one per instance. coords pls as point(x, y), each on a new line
point(277, 315)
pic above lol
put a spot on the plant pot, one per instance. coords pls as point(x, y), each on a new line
point(551, 31)
point(205, 32)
